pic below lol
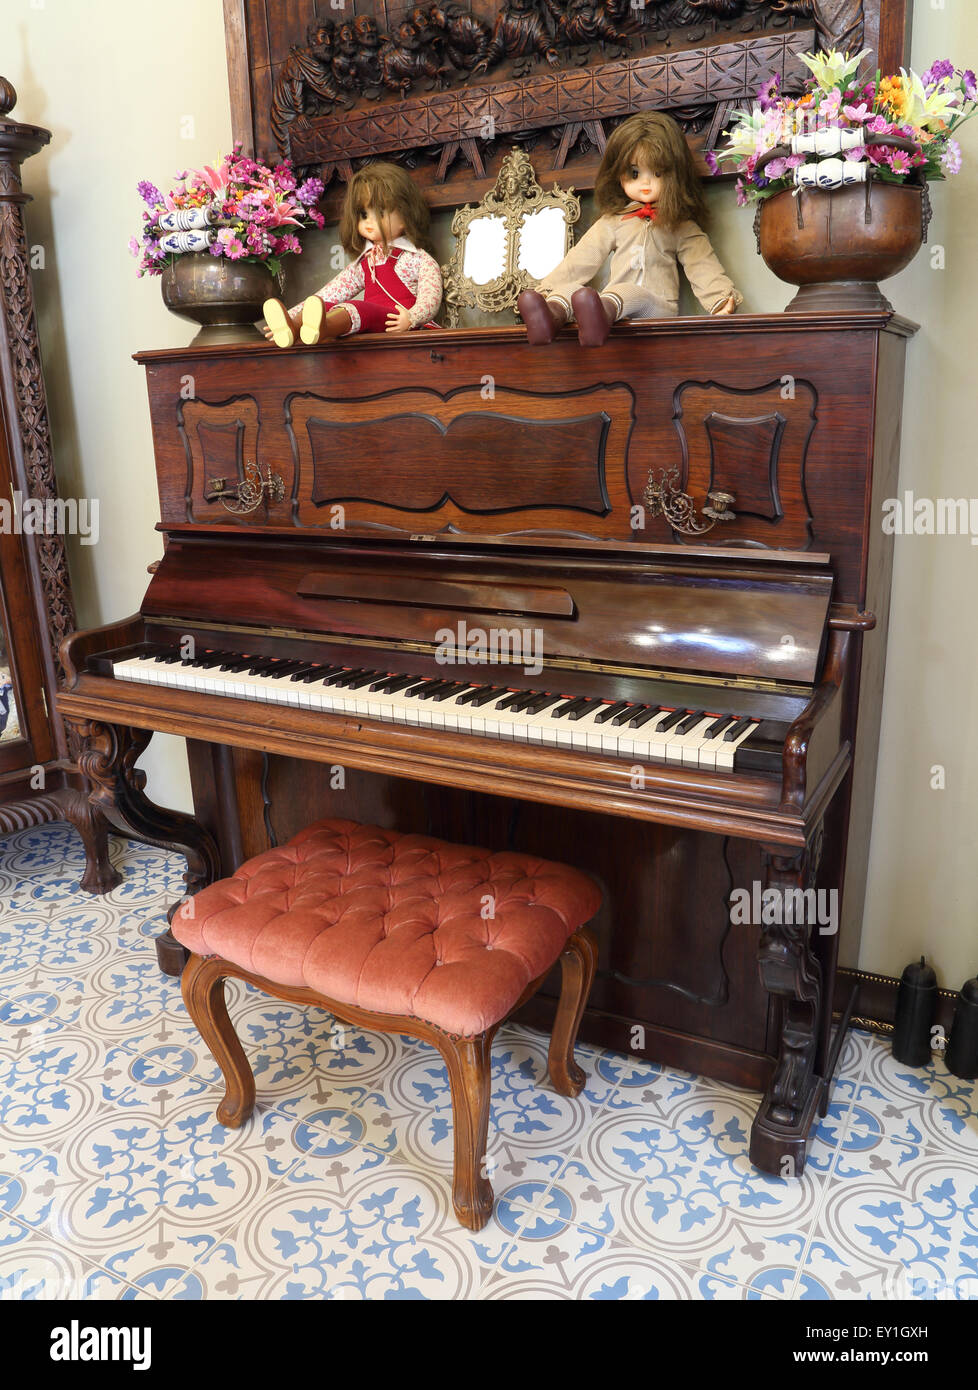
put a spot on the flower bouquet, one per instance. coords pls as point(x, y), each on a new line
point(839, 175)
point(218, 240)
point(242, 210)
point(896, 129)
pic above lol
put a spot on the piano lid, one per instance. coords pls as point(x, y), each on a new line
point(712, 615)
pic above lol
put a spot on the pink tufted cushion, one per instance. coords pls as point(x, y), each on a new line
point(393, 923)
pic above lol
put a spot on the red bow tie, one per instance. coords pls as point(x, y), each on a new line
point(647, 212)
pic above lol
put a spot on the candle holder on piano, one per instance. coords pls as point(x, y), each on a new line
point(663, 496)
point(247, 495)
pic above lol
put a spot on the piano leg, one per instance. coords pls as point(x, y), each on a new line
point(100, 876)
point(791, 972)
point(107, 755)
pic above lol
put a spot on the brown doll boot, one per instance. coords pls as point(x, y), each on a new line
point(542, 317)
point(594, 316)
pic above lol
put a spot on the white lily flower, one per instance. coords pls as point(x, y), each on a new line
point(833, 68)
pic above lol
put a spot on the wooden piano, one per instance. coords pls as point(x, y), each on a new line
point(440, 605)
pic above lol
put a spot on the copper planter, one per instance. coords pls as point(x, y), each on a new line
point(225, 297)
point(838, 244)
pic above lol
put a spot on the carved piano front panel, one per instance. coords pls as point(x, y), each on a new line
point(474, 433)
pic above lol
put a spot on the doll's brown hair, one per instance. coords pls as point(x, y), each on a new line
point(656, 140)
point(385, 188)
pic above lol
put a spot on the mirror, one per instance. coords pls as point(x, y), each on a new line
point(543, 241)
point(508, 242)
point(485, 250)
point(9, 723)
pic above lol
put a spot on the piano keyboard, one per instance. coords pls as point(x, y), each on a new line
point(690, 737)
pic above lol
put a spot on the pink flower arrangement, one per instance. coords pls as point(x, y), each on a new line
point(926, 110)
point(255, 211)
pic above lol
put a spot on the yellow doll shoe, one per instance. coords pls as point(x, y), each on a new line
point(277, 318)
point(313, 313)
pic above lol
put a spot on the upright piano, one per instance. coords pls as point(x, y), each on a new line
point(412, 580)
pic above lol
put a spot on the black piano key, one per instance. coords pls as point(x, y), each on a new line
point(424, 686)
point(637, 720)
point(541, 702)
point(262, 666)
point(671, 720)
point(514, 699)
point(392, 684)
point(470, 695)
point(690, 722)
point(342, 675)
point(209, 660)
point(318, 673)
point(564, 711)
point(717, 727)
point(523, 703)
point(734, 730)
point(610, 711)
point(588, 707)
point(451, 689)
point(629, 713)
point(241, 663)
point(169, 658)
point(304, 669)
point(358, 682)
point(433, 690)
point(490, 692)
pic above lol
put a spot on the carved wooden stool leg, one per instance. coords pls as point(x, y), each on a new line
point(577, 962)
point(202, 985)
point(470, 1075)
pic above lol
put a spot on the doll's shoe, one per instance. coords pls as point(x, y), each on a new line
point(277, 318)
point(542, 317)
point(313, 313)
point(594, 317)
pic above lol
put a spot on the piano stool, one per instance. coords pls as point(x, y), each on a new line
point(403, 934)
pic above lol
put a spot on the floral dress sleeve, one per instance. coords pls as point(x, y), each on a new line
point(422, 275)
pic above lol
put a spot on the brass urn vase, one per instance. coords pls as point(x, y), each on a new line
point(225, 297)
point(838, 244)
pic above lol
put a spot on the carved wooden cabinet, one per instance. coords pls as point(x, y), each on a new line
point(38, 778)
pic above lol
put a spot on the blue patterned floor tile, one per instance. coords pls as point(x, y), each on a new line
point(898, 1223)
point(393, 1235)
point(924, 1106)
point(38, 1270)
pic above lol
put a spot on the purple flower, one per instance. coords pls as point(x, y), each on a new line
point(285, 180)
point(712, 163)
point(769, 92)
point(149, 193)
point(970, 84)
point(951, 161)
point(310, 192)
point(938, 71)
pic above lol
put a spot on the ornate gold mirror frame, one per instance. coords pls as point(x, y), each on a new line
point(516, 197)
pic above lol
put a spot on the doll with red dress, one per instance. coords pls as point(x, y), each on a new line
point(652, 211)
point(392, 286)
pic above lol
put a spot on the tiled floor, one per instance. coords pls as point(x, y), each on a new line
point(117, 1182)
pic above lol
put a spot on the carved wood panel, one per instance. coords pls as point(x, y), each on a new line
point(753, 444)
point(446, 88)
point(219, 438)
point(512, 462)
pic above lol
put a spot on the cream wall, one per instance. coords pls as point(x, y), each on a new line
point(116, 80)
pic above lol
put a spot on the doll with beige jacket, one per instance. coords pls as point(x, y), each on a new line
point(652, 215)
